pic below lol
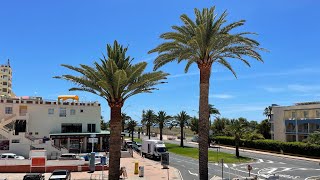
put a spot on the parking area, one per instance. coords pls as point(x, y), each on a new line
point(152, 171)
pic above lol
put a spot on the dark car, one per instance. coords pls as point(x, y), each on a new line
point(60, 175)
point(34, 176)
point(136, 146)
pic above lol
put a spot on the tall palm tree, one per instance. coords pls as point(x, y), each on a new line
point(115, 79)
point(237, 128)
point(161, 119)
point(182, 120)
point(206, 41)
point(125, 119)
point(149, 120)
point(131, 125)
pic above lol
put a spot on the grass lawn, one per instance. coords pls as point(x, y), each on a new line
point(134, 139)
point(194, 153)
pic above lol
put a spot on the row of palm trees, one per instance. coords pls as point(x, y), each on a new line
point(204, 41)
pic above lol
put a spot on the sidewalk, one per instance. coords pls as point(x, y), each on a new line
point(152, 171)
point(267, 153)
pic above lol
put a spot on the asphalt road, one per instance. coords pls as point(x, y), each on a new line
point(263, 166)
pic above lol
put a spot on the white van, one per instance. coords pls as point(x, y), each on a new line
point(153, 148)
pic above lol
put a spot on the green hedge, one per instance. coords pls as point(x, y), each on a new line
point(272, 145)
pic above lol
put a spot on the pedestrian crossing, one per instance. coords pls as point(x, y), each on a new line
point(258, 161)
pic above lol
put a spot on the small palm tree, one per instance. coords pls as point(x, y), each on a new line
point(115, 79)
point(162, 118)
point(131, 125)
point(237, 128)
point(125, 119)
point(206, 41)
point(148, 119)
point(181, 120)
point(268, 112)
point(194, 124)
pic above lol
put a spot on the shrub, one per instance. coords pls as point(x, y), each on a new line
point(299, 148)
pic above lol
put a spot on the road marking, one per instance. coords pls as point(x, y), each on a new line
point(282, 163)
point(195, 174)
point(216, 164)
point(260, 160)
point(234, 165)
point(268, 161)
point(226, 165)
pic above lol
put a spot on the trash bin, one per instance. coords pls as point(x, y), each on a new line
point(141, 171)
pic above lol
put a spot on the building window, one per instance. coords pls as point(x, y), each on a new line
point(8, 110)
point(63, 112)
point(5, 83)
point(71, 128)
point(36, 133)
point(72, 112)
point(91, 127)
point(15, 141)
point(4, 90)
point(50, 111)
point(293, 115)
point(306, 114)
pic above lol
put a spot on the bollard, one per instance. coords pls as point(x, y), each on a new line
point(136, 166)
point(141, 171)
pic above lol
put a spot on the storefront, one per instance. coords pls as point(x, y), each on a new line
point(80, 143)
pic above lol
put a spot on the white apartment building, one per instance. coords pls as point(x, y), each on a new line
point(33, 123)
point(296, 122)
point(59, 126)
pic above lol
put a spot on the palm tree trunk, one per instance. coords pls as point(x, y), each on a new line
point(161, 127)
point(181, 136)
point(115, 146)
point(132, 135)
point(149, 131)
point(237, 147)
point(204, 120)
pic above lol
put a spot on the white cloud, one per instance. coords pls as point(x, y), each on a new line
point(221, 96)
point(290, 72)
point(274, 89)
point(303, 88)
point(184, 74)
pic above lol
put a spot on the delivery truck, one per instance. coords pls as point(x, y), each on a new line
point(153, 148)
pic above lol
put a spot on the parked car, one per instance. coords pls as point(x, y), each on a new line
point(11, 156)
point(70, 156)
point(136, 146)
point(60, 175)
point(127, 143)
point(34, 176)
point(195, 138)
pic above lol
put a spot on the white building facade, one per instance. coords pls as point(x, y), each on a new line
point(296, 122)
point(57, 126)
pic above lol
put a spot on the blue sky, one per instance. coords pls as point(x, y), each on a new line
point(38, 36)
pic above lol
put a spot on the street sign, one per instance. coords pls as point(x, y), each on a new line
point(93, 135)
point(93, 140)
